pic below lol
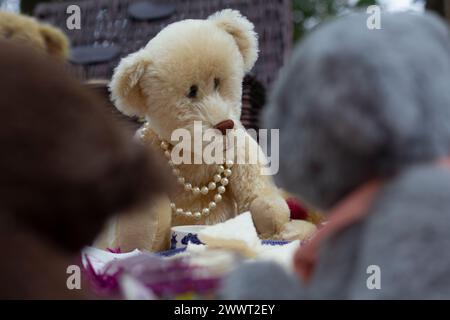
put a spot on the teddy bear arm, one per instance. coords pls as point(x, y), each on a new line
point(145, 228)
point(257, 193)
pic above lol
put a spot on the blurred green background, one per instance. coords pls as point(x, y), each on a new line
point(309, 13)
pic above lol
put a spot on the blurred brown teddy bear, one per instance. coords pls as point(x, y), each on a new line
point(66, 166)
point(26, 30)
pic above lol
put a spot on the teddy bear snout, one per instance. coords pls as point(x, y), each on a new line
point(224, 126)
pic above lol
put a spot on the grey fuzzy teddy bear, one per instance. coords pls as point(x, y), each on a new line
point(354, 105)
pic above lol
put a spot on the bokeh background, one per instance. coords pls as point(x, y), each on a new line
point(107, 25)
point(307, 13)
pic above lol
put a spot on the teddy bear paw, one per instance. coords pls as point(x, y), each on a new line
point(269, 215)
point(297, 230)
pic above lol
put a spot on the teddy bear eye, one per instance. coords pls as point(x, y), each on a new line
point(216, 83)
point(193, 91)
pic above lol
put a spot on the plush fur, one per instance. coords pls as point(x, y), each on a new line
point(66, 166)
point(154, 83)
point(355, 104)
point(26, 30)
point(267, 276)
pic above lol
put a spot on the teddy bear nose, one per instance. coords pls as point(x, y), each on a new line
point(224, 125)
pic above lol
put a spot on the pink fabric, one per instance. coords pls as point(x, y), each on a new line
point(347, 212)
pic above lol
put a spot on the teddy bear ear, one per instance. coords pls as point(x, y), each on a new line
point(56, 41)
point(242, 30)
point(124, 87)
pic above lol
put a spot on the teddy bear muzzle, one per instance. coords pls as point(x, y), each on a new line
point(224, 126)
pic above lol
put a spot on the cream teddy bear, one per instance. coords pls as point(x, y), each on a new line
point(192, 71)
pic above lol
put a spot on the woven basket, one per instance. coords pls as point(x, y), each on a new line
point(106, 22)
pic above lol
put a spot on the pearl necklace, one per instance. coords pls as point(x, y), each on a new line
point(219, 181)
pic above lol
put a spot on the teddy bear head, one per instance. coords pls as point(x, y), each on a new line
point(28, 31)
point(191, 71)
point(356, 104)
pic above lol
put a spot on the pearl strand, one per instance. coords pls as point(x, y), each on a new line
point(220, 181)
point(221, 177)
